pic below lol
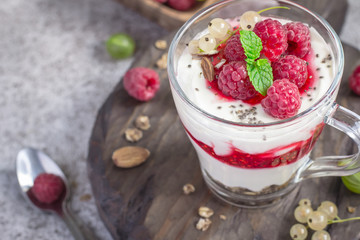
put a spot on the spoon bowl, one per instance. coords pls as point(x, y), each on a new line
point(30, 163)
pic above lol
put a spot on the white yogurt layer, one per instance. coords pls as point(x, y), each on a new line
point(252, 179)
point(223, 138)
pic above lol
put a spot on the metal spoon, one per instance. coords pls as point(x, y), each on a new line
point(29, 164)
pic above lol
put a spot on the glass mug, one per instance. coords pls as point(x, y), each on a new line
point(256, 165)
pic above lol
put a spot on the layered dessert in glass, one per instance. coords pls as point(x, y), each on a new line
point(246, 85)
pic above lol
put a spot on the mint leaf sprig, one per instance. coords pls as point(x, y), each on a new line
point(259, 70)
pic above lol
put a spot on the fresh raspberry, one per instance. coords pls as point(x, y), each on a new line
point(273, 37)
point(234, 81)
point(298, 36)
point(141, 83)
point(181, 5)
point(354, 80)
point(48, 187)
point(282, 100)
point(233, 50)
point(292, 68)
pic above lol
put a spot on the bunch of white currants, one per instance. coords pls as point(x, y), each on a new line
point(219, 30)
point(316, 220)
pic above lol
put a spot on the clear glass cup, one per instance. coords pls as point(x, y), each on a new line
point(274, 171)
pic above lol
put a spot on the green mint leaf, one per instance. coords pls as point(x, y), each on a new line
point(251, 43)
point(260, 74)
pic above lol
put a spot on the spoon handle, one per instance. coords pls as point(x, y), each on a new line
point(74, 227)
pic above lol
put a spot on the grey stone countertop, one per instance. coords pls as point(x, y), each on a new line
point(54, 76)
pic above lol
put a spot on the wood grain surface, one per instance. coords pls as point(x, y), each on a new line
point(147, 202)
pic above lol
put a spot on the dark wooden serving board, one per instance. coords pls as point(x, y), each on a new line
point(147, 202)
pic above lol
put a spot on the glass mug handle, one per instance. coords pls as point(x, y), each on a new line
point(349, 123)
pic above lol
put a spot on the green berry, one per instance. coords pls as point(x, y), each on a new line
point(329, 208)
point(298, 232)
point(317, 220)
point(352, 182)
point(120, 46)
point(321, 235)
point(305, 201)
point(302, 212)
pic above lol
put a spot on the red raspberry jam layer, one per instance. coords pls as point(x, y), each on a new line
point(268, 159)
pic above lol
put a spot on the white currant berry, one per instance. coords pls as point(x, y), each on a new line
point(298, 232)
point(193, 46)
point(329, 208)
point(207, 43)
point(302, 213)
point(317, 220)
point(249, 19)
point(305, 201)
point(321, 235)
point(219, 28)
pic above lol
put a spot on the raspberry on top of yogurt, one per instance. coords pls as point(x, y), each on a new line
point(251, 56)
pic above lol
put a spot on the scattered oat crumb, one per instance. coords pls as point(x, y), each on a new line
point(73, 184)
point(85, 197)
point(351, 209)
point(222, 217)
point(203, 224)
point(162, 62)
point(205, 212)
point(133, 134)
point(188, 188)
point(142, 122)
point(161, 44)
